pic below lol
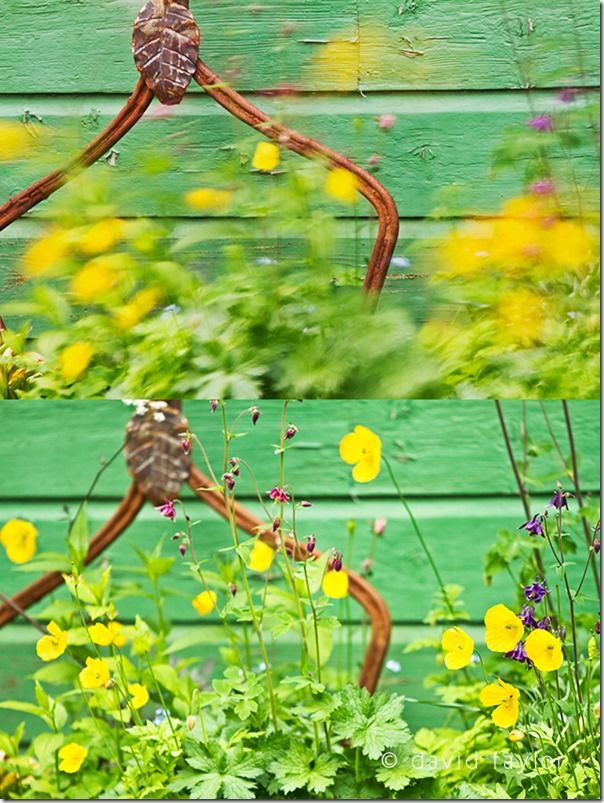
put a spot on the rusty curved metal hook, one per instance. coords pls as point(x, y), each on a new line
point(158, 471)
point(229, 99)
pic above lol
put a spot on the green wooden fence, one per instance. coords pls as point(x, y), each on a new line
point(454, 73)
point(449, 457)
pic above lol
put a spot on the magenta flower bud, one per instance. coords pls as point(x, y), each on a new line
point(311, 543)
point(233, 589)
point(304, 503)
point(544, 186)
point(543, 122)
point(182, 548)
point(229, 480)
point(255, 413)
point(278, 495)
point(387, 121)
point(379, 525)
point(186, 445)
point(214, 404)
point(290, 432)
point(367, 567)
point(276, 524)
point(597, 627)
point(336, 562)
point(234, 463)
point(167, 509)
point(596, 546)
point(568, 94)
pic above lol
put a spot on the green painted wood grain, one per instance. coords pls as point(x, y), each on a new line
point(438, 155)
point(392, 44)
point(440, 448)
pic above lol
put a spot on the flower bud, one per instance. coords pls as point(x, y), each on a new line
point(304, 503)
point(110, 684)
point(255, 413)
point(191, 722)
point(597, 627)
point(351, 526)
point(379, 525)
point(234, 463)
point(182, 548)
point(336, 562)
point(596, 546)
point(276, 524)
point(311, 543)
point(229, 480)
point(516, 736)
point(214, 404)
point(232, 589)
point(290, 432)
point(367, 567)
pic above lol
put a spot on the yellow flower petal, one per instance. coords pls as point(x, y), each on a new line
point(206, 198)
point(96, 279)
point(53, 645)
point(137, 308)
point(363, 448)
point(261, 557)
point(205, 602)
point(72, 756)
point(140, 695)
point(458, 647)
point(19, 538)
point(506, 715)
point(44, 256)
point(115, 629)
point(74, 360)
point(335, 584)
point(505, 697)
point(100, 634)
point(544, 650)
point(266, 156)
point(342, 185)
point(95, 674)
point(503, 629)
point(101, 236)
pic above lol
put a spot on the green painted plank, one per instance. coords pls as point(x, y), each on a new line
point(440, 448)
point(425, 162)
point(414, 44)
point(313, 45)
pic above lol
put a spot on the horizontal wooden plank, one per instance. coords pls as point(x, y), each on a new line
point(411, 44)
point(459, 531)
point(426, 161)
point(18, 642)
point(440, 448)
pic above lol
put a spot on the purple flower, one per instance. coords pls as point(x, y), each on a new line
point(167, 509)
point(559, 499)
point(568, 94)
point(214, 405)
point(278, 495)
point(560, 632)
point(182, 548)
point(276, 524)
point(186, 444)
point(536, 591)
point(336, 562)
point(596, 545)
point(545, 623)
point(545, 186)
point(543, 122)
point(290, 432)
point(255, 413)
point(311, 543)
point(527, 616)
point(533, 526)
point(519, 654)
point(379, 525)
point(229, 480)
point(234, 463)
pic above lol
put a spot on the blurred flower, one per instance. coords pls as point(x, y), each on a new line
point(458, 647)
point(363, 449)
point(597, 710)
point(74, 360)
point(464, 252)
point(544, 650)
point(342, 185)
point(72, 756)
point(379, 525)
point(104, 635)
point(52, 645)
point(140, 695)
point(335, 584)
point(568, 94)
point(101, 236)
point(305, 503)
point(14, 141)
point(519, 654)
point(18, 537)
point(205, 602)
point(520, 317)
point(367, 567)
point(234, 463)
point(186, 442)
point(393, 666)
point(96, 279)
point(167, 509)
point(44, 254)
point(206, 198)
point(596, 545)
point(374, 160)
point(569, 246)
point(544, 186)
point(95, 674)
point(533, 526)
point(400, 262)
point(137, 308)
point(191, 722)
point(597, 627)
point(266, 156)
point(261, 557)
point(278, 495)
point(503, 629)
point(543, 122)
point(536, 591)
point(559, 499)
point(527, 616)
point(387, 121)
point(506, 698)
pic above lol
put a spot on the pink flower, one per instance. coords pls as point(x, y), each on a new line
point(167, 509)
point(214, 405)
point(568, 94)
point(387, 121)
point(278, 495)
point(379, 525)
point(543, 122)
point(290, 432)
point(544, 186)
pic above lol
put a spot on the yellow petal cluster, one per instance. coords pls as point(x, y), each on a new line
point(205, 602)
point(206, 199)
point(96, 279)
point(75, 359)
point(335, 584)
point(342, 185)
point(458, 647)
point(505, 697)
point(104, 635)
point(140, 695)
point(95, 674)
point(503, 629)
point(261, 557)
point(137, 308)
point(71, 757)
point(544, 650)
point(53, 645)
point(18, 537)
point(266, 156)
point(101, 236)
point(363, 449)
point(44, 255)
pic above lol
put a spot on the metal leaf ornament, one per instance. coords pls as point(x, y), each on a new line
point(166, 46)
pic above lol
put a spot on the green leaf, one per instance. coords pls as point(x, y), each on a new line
point(77, 540)
point(45, 745)
point(300, 768)
point(371, 723)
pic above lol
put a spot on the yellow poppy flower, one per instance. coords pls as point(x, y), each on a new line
point(42, 256)
point(101, 236)
point(261, 557)
point(206, 198)
point(95, 674)
point(104, 635)
point(544, 650)
point(96, 279)
point(18, 537)
point(363, 449)
point(458, 647)
point(205, 602)
point(74, 360)
point(52, 645)
point(505, 697)
point(135, 310)
point(464, 253)
point(72, 755)
point(266, 156)
point(342, 185)
point(335, 584)
point(140, 695)
point(504, 629)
